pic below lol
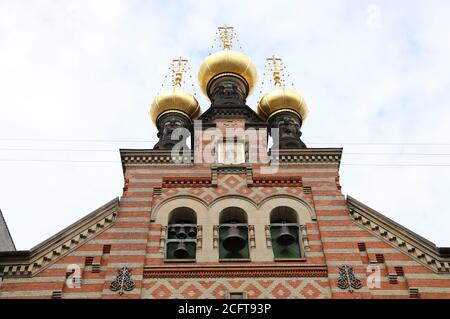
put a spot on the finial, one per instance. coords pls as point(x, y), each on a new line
point(226, 34)
point(179, 66)
point(275, 66)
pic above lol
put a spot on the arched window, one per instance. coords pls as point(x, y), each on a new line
point(233, 234)
point(182, 234)
point(285, 233)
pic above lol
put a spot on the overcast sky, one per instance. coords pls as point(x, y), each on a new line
point(372, 72)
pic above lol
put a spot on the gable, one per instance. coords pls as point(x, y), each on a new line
point(31, 262)
point(401, 238)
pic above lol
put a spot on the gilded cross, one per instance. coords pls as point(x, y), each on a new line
point(226, 34)
point(179, 67)
point(275, 66)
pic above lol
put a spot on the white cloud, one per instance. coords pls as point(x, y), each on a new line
point(89, 69)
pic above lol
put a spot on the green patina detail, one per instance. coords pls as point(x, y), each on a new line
point(290, 251)
point(240, 254)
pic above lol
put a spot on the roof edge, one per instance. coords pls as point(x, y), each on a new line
point(8, 233)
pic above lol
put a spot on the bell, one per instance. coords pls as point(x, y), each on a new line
point(233, 240)
point(192, 232)
point(181, 233)
point(285, 238)
point(172, 231)
point(181, 251)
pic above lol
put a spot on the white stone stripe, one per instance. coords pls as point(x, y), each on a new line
point(341, 251)
point(119, 265)
point(133, 276)
point(406, 292)
point(391, 262)
point(140, 189)
point(33, 280)
point(400, 278)
point(87, 253)
point(344, 262)
point(355, 239)
point(327, 207)
point(333, 217)
point(26, 293)
point(324, 188)
point(389, 292)
point(383, 250)
point(127, 252)
point(132, 219)
point(135, 209)
point(145, 180)
point(333, 197)
point(135, 199)
point(154, 255)
point(319, 179)
point(78, 295)
point(153, 244)
point(314, 254)
point(119, 241)
point(340, 228)
point(50, 280)
point(284, 169)
point(159, 171)
point(315, 243)
point(127, 230)
point(427, 276)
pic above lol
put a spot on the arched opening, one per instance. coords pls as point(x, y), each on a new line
point(181, 234)
point(182, 215)
point(284, 231)
point(233, 234)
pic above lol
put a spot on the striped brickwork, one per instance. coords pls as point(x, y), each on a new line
point(134, 239)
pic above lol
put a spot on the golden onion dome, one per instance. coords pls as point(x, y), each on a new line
point(176, 100)
point(227, 61)
point(281, 99)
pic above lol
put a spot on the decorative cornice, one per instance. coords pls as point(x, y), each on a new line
point(148, 157)
point(308, 156)
point(280, 181)
point(171, 182)
point(38, 258)
point(236, 271)
point(410, 243)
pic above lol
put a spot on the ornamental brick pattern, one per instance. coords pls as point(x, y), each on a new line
point(213, 288)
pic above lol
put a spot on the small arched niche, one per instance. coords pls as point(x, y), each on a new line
point(183, 215)
point(283, 214)
point(233, 215)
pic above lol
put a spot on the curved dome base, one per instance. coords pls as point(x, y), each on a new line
point(227, 89)
point(288, 124)
point(167, 123)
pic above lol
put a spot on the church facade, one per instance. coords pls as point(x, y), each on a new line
point(213, 212)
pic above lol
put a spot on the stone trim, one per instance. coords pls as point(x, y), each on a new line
point(175, 182)
point(308, 156)
point(235, 271)
point(29, 263)
point(408, 242)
